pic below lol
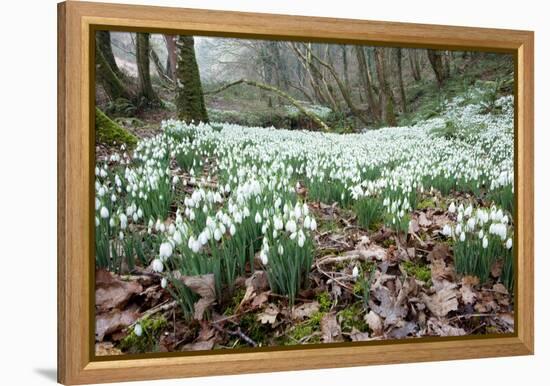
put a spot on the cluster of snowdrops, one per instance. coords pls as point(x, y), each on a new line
point(221, 198)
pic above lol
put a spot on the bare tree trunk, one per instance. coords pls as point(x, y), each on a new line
point(386, 95)
point(345, 64)
point(189, 95)
point(413, 62)
point(161, 70)
point(147, 97)
point(171, 58)
point(399, 55)
point(366, 80)
point(343, 90)
point(436, 60)
point(280, 93)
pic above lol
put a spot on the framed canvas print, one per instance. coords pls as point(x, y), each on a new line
point(248, 192)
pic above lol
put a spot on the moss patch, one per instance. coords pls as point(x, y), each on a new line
point(108, 132)
point(421, 272)
point(148, 341)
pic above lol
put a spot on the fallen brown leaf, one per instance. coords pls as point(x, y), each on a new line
point(330, 328)
point(304, 310)
point(375, 323)
point(443, 301)
point(111, 292)
point(113, 321)
point(269, 315)
point(205, 287)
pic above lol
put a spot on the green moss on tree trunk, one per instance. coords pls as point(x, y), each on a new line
point(189, 98)
point(108, 132)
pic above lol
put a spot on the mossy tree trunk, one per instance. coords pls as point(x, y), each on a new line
point(189, 95)
point(386, 94)
point(111, 83)
point(440, 69)
point(108, 132)
point(147, 97)
point(413, 62)
point(103, 43)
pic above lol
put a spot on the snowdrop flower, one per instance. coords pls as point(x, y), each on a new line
point(485, 242)
point(459, 217)
point(203, 238)
point(462, 236)
point(447, 231)
point(468, 211)
point(104, 212)
point(96, 222)
point(123, 221)
point(232, 230)
point(355, 272)
point(138, 330)
point(509, 243)
point(290, 226)
point(301, 238)
point(157, 265)
point(171, 229)
point(307, 222)
point(480, 234)
point(452, 208)
point(458, 229)
point(165, 251)
point(280, 250)
point(263, 257)
point(313, 224)
point(112, 222)
point(258, 218)
point(471, 223)
point(120, 235)
point(177, 237)
point(164, 282)
point(217, 234)
point(297, 211)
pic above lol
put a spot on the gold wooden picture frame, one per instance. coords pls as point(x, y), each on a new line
point(77, 23)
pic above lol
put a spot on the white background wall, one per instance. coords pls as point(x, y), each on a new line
point(28, 190)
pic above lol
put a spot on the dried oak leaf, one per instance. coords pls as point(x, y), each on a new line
point(205, 287)
point(269, 315)
point(423, 220)
point(374, 321)
point(304, 310)
point(443, 301)
point(358, 336)
point(113, 321)
point(403, 329)
point(441, 271)
point(373, 251)
point(111, 292)
point(392, 308)
point(106, 348)
point(413, 226)
point(254, 284)
point(439, 252)
point(496, 268)
point(467, 293)
point(442, 328)
point(199, 346)
point(330, 328)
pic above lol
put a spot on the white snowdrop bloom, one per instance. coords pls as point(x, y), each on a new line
point(157, 225)
point(140, 213)
point(203, 238)
point(504, 219)
point(191, 242)
point(509, 243)
point(258, 218)
point(305, 209)
point(297, 211)
point(458, 229)
point(164, 282)
point(459, 217)
point(165, 251)
point(452, 208)
point(97, 203)
point(217, 234)
point(96, 221)
point(111, 222)
point(280, 250)
point(162, 228)
point(263, 257)
point(120, 235)
point(113, 198)
point(175, 180)
point(447, 231)
point(103, 173)
point(135, 217)
point(313, 224)
point(177, 237)
point(138, 330)
point(123, 221)
point(290, 226)
point(485, 242)
point(468, 211)
point(301, 238)
point(157, 265)
point(307, 222)
point(191, 215)
point(232, 230)
point(104, 212)
point(355, 272)
point(171, 229)
point(480, 234)
point(471, 223)
point(264, 229)
point(462, 236)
